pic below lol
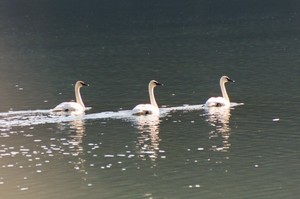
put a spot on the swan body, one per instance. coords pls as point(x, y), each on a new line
point(220, 101)
point(217, 102)
point(69, 107)
point(148, 109)
point(72, 107)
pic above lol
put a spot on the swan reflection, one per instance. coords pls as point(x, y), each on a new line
point(219, 117)
point(79, 127)
point(148, 138)
point(74, 143)
point(76, 129)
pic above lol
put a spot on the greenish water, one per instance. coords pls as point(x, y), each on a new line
point(249, 152)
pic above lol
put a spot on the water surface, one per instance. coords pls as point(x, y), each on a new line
point(249, 151)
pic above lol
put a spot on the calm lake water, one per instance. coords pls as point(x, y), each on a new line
point(249, 151)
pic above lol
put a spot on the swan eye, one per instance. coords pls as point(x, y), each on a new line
point(84, 84)
point(229, 80)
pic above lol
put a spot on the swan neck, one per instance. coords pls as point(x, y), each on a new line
point(223, 90)
point(78, 96)
point(152, 97)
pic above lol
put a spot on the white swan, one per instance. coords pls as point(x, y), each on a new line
point(148, 109)
point(72, 107)
point(220, 101)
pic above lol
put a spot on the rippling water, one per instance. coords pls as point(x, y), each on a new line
point(248, 151)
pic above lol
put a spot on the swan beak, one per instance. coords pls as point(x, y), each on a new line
point(231, 80)
point(85, 84)
point(159, 84)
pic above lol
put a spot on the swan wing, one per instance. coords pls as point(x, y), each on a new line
point(145, 109)
point(217, 102)
point(68, 107)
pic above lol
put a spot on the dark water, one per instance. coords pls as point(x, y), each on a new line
point(118, 46)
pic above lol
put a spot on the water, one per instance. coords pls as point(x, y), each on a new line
point(250, 151)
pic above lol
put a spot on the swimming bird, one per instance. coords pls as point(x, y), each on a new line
point(73, 107)
point(148, 109)
point(220, 101)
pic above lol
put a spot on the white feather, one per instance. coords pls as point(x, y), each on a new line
point(69, 107)
point(145, 109)
point(72, 107)
point(148, 109)
point(220, 101)
point(217, 101)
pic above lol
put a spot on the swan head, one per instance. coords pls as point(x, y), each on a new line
point(154, 83)
point(225, 79)
point(80, 84)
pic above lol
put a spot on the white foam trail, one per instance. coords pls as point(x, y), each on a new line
point(36, 117)
point(23, 112)
point(108, 114)
point(185, 107)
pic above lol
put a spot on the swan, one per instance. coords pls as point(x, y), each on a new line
point(220, 101)
point(148, 109)
point(72, 107)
